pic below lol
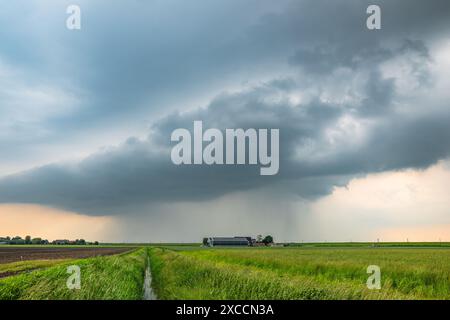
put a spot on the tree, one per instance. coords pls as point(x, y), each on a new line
point(259, 238)
point(36, 241)
point(267, 240)
point(17, 240)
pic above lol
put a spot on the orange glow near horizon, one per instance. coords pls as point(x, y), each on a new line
point(50, 223)
point(434, 233)
point(390, 206)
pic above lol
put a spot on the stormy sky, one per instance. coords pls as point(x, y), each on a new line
point(86, 116)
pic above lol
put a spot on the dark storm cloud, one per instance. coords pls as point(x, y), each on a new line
point(140, 172)
point(315, 39)
point(129, 62)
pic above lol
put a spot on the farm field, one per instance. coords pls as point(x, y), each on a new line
point(21, 253)
point(191, 272)
point(299, 273)
point(117, 277)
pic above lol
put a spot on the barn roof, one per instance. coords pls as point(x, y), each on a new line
point(229, 238)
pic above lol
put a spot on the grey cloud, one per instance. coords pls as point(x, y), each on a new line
point(120, 79)
point(139, 172)
point(132, 62)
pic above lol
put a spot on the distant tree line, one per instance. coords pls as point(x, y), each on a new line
point(40, 241)
point(267, 240)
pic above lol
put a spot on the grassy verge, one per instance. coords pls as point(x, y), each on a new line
point(111, 277)
point(299, 274)
point(62, 246)
point(24, 266)
point(373, 244)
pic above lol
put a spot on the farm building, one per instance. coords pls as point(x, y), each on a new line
point(229, 241)
point(61, 242)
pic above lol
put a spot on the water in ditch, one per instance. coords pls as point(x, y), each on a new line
point(149, 294)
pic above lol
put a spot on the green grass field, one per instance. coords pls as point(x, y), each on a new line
point(191, 272)
point(118, 277)
point(300, 273)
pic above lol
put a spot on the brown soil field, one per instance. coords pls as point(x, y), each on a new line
point(21, 254)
